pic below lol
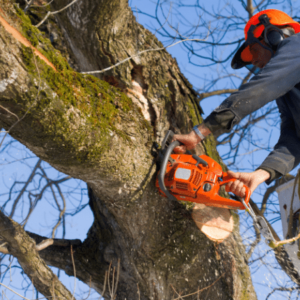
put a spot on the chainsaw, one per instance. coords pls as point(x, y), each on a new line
point(198, 179)
point(193, 178)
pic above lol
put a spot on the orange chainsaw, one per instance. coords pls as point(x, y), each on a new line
point(193, 178)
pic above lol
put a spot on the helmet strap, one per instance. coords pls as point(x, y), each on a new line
point(251, 39)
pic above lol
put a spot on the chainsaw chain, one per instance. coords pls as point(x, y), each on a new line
point(260, 224)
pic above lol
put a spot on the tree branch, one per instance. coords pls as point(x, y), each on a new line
point(21, 246)
point(54, 12)
point(217, 92)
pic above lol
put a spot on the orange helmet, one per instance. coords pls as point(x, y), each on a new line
point(255, 28)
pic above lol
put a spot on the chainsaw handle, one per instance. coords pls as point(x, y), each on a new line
point(200, 160)
point(227, 179)
point(163, 168)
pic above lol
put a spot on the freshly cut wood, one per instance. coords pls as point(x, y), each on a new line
point(19, 37)
point(216, 223)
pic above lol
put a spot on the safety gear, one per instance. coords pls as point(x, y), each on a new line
point(263, 27)
point(279, 80)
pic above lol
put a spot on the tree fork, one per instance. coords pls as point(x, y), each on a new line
point(90, 130)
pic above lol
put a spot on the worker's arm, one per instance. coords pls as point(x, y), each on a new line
point(278, 77)
point(252, 180)
point(286, 153)
point(281, 160)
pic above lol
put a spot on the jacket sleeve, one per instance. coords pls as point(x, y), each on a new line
point(278, 77)
point(286, 153)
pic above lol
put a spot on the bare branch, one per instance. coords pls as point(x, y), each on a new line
point(259, 4)
point(28, 5)
point(25, 187)
point(272, 189)
point(138, 54)
point(217, 92)
point(250, 9)
point(284, 242)
point(22, 247)
point(74, 271)
point(13, 291)
point(54, 12)
point(290, 226)
point(43, 5)
point(4, 249)
point(62, 211)
point(201, 289)
point(44, 244)
point(282, 289)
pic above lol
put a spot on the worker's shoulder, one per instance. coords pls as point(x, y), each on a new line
point(291, 41)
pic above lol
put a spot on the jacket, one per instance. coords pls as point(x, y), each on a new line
point(280, 80)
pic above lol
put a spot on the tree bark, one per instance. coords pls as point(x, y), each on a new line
point(101, 130)
point(21, 246)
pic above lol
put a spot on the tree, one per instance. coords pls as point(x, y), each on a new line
point(101, 130)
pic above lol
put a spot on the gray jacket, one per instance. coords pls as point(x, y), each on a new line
point(279, 79)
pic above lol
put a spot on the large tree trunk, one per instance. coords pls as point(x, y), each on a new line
point(103, 134)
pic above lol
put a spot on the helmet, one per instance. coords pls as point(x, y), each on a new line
point(257, 28)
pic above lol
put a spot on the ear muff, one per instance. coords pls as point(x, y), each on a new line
point(274, 35)
point(273, 38)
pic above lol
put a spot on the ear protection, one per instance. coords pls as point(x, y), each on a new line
point(272, 34)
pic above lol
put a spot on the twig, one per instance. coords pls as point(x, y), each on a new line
point(9, 112)
point(289, 233)
point(104, 285)
point(283, 289)
point(24, 187)
point(284, 242)
point(138, 291)
point(44, 244)
point(28, 6)
point(74, 271)
point(138, 54)
point(90, 288)
point(4, 249)
point(13, 291)
point(62, 211)
point(218, 92)
point(201, 289)
point(118, 275)
point(271, 189)
point(55, 12)
point(176, 292)
point(112, 287)
point(43, 5)
point(108, 276)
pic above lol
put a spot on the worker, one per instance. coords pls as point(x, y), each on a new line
point(272, 51)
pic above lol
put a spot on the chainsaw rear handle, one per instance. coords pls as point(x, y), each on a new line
point(163, 168)
point(248, 193)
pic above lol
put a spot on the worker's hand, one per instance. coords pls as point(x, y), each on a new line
point(251, 180)
point(189, 141)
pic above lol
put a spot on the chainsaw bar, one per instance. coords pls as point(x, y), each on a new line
point(260, 224)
